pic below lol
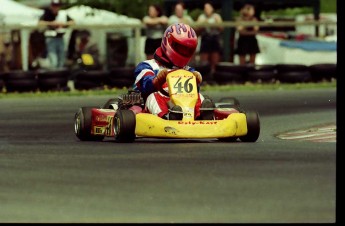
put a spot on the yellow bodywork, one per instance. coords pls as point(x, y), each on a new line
point(149, 125)
point(183, 92)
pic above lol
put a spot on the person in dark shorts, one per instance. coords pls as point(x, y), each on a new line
point(156, 24)
point(210, 47)
point(247, 43)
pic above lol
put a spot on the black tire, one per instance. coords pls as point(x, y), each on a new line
point(253, 126)
point(97, 77)
point(263, 73)
point(87, 85)
point(122, 72)
point(323, 71)
point(107, 105)
point(282, 68)
point(234, 68)
point(124, 126)
point(57, 73)
point(18, 74)
point(120, 82)
point(46, 84)
point(294, 77)
point(82, 125)
point(228, 77)
point(21, 85)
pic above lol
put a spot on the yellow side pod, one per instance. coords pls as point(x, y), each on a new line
point(149, 125)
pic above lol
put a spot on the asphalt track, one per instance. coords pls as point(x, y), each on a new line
point(47, 175)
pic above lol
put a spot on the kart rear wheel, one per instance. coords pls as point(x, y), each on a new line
point(82, 125)
point(253, 125)
point(124, 126)
point(108, 104)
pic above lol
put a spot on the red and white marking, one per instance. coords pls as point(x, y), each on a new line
point(326, 133)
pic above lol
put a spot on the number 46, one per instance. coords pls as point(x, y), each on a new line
point(187, 86)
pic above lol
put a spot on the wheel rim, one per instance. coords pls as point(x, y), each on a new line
point(77, 125)
point(116, 126)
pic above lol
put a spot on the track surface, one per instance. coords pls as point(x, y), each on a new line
point(47, 175)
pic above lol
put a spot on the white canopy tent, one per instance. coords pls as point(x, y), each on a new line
point(14, 13)
point(88, 16)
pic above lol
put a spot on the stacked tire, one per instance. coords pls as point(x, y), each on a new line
point(89, 80)
point(227, 72)
point(293, 73)
point(262, 74)
point(20, 81)
point(321, 72)
point(120, 77)
point(53, 80)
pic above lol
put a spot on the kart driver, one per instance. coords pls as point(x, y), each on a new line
point(178, 45)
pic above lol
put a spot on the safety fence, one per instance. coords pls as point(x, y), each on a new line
point(225, 73)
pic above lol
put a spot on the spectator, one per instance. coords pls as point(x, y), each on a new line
point(155, 23)
point(210, 48)
point(56, 23)
point(180, 16)
point(247, 43)
point(84, 46)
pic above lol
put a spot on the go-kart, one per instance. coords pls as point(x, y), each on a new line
point(125, 119)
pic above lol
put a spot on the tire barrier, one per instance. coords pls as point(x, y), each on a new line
point(120, 77)
point(53, 80)
point(262, 73)
point(86, 80)
point(293, 73)
point(20, 81)
point(321, 72)
point(227, 72)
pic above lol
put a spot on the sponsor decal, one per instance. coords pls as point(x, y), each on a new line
point(101, 118)
point(98, 130)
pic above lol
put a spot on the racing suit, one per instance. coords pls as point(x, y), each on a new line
point(156, 102)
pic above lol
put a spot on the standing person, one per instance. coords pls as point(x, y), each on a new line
point(180, 16)
point(178, 45)
point(56, 23)
point(247, 44)
point(210, 48)
point(155, 23)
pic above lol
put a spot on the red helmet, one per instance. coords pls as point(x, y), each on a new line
point(179, 43)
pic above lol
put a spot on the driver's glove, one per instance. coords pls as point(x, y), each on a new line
point(198, 77)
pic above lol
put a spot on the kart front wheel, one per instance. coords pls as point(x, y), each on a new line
point(82, 125)
point(253, 126)
point(124, 126)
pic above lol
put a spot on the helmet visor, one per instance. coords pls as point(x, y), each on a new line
point(183, 50)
